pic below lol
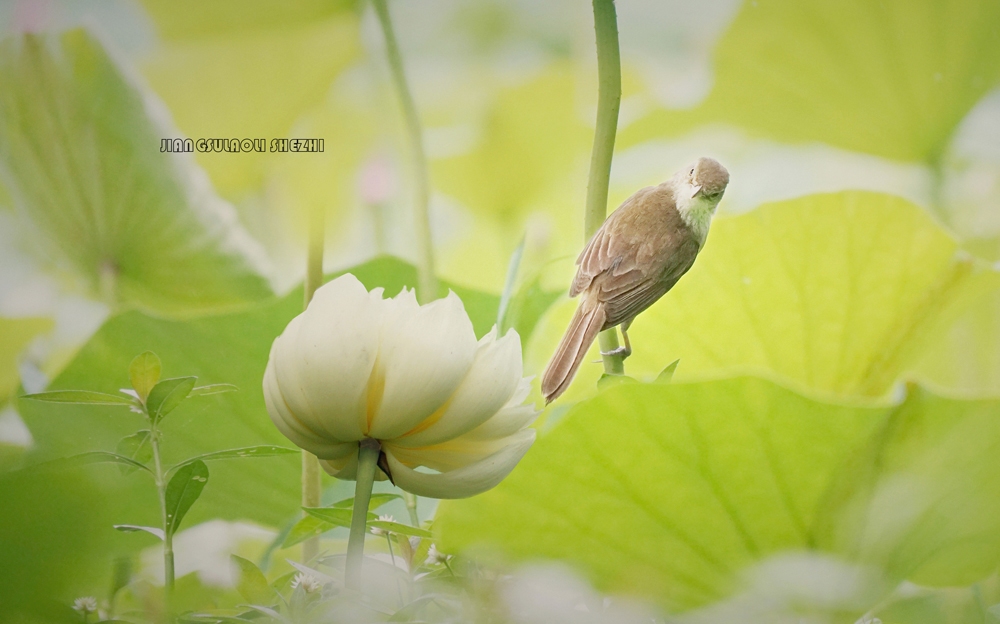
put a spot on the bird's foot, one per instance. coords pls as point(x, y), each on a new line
point(622, 352)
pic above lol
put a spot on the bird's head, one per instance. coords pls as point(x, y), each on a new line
point(697, 191)
point(708, 179)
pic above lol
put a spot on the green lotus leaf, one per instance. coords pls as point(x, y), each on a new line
point(15, 335)
point(679, 493)
point(890, 78)
point(79, 152)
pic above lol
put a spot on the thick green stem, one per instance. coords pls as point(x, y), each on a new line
point(609, 97)
point(168, 538)
point(368, 452)
point(426, 282)
point(312, 486)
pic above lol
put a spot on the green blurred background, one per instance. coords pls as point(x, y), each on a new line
point(856, 250)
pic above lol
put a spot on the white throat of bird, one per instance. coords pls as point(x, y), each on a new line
point(696, 210)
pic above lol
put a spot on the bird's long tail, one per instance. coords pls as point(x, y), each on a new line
point(583, 329)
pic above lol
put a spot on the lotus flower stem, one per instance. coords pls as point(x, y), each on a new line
point(426, 282)
point(312, 486)
point(168, 538)
point(368, 451)
point(609, 97)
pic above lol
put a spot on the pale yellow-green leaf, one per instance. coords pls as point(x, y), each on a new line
point(254, 83)
point(531, 135)
point(891, 78)
point(675, 492)
point(967, 356)
point(922, 499)
point(329, 181)
point(185, 19)
point(144, 371)
point(840, 293)
point(15, 335)
point(667, 491)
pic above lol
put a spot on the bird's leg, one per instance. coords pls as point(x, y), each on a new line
point(628, 346)
point(626, 350)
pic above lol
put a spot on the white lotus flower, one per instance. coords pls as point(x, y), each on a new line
point(414, 378)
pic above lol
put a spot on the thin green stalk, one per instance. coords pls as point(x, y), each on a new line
point(411, 508)
point(609, 97)
point(168, 538)
point(392, 556)
point(936, 164)
point(312, 486)
point(426, 282)
point(368, 452)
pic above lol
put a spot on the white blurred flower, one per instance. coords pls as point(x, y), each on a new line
point(308, 583)
point(435, 556)
point(85, 605)
point(356, 366)
point(382, 532)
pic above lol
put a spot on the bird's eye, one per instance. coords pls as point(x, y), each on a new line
point(692, 172)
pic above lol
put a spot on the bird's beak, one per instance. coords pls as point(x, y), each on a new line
point(697, 191)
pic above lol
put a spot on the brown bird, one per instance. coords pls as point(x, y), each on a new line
point(636, 256)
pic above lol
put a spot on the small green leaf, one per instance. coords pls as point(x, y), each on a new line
point(409, 612)
point(144, 372)
point(510, 282)
point(609, 381)
point(263, 450)
point(283, 581)
point(268, 611)
point(396, 527)
point(183, 490)
point(80, 397)
point(89, 458)
point(121, 575)
point(136, 446)
point(305, 528)
point(135, 528)
point(168, 394)
point(376, 501)
point(212, 389)
point(316, 574)
point(527, 306)
point(339, 517)
point(252, 583)
point(668, 373)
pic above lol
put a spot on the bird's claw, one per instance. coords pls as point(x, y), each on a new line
point(622, 352)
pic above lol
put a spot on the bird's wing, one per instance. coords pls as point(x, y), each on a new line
point(636, 256)
point(602, 253)
point(625, 296)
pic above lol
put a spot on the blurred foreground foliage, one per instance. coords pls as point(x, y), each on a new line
point(677, 491)
point(55, 539)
